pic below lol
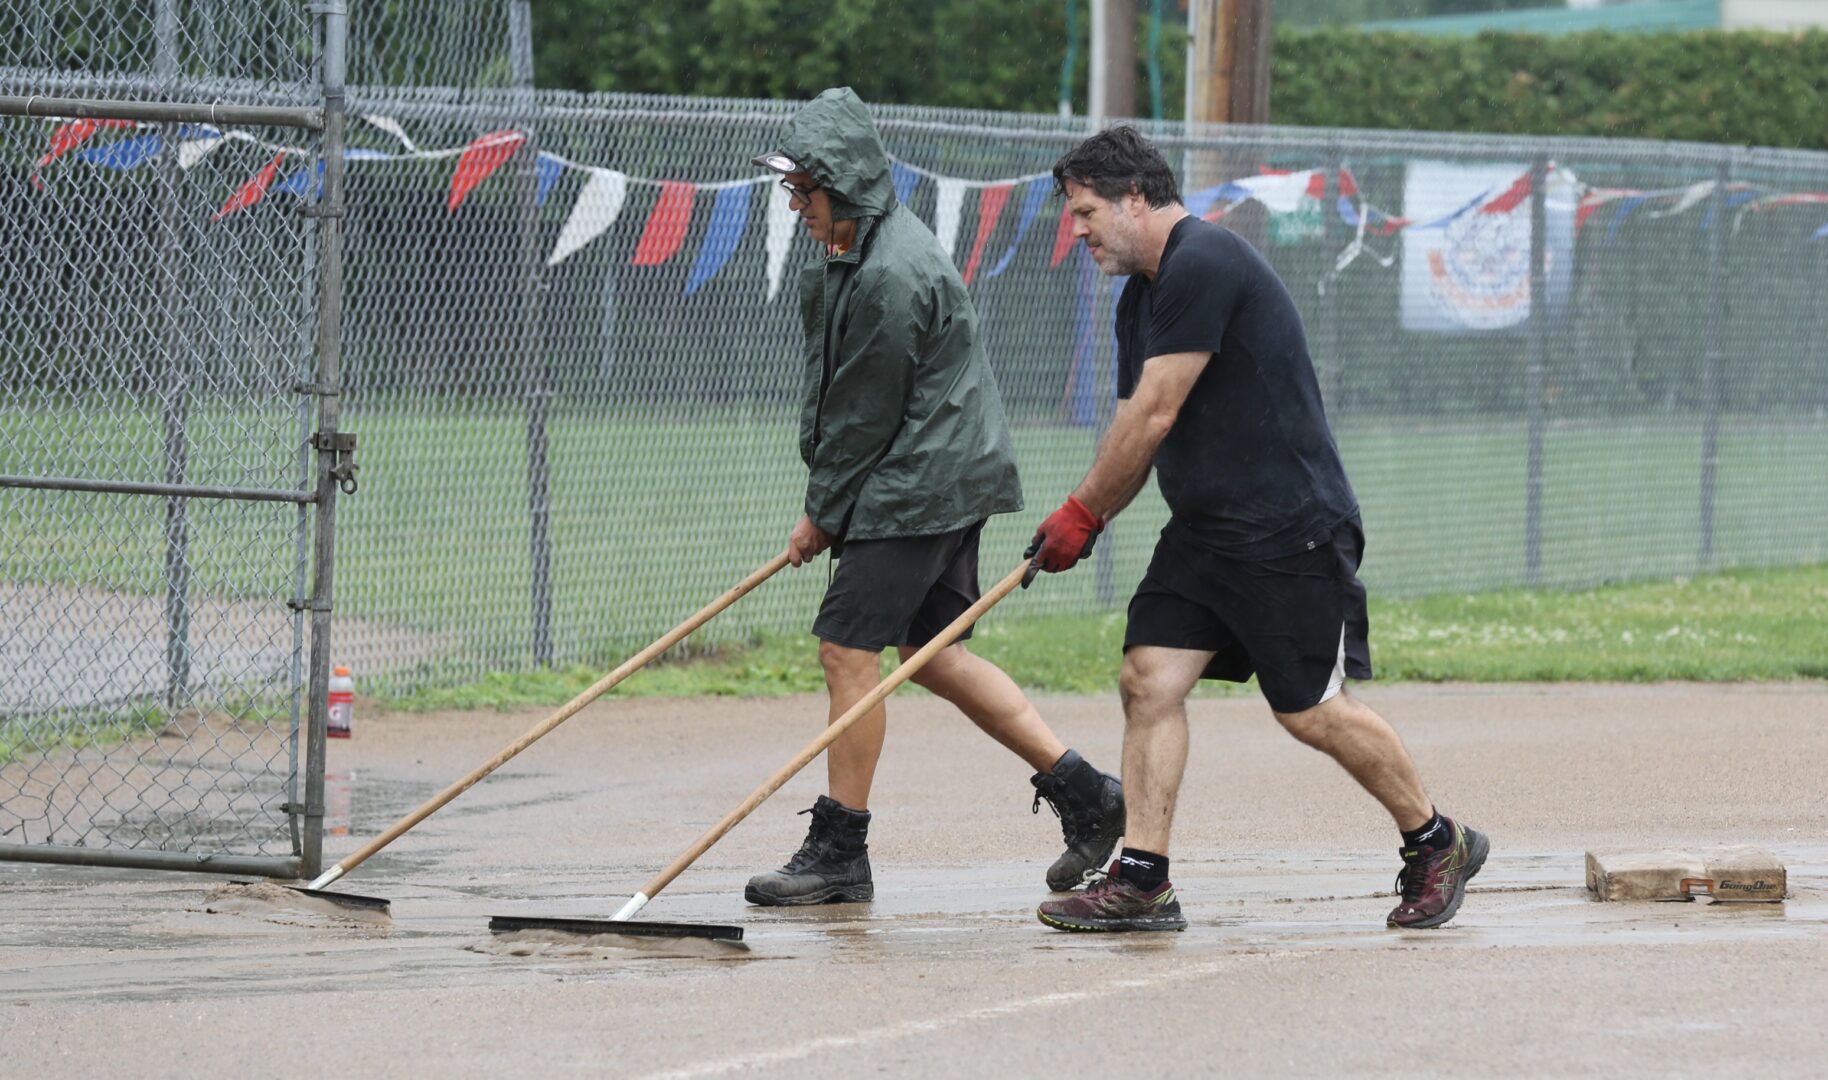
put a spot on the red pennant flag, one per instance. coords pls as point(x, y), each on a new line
point(482, 157)
point(253, 191)
point(68, 136)
point(1511, 199)
point(666, 224)
point(989, 207)
point(1348, 184)
point(1581, 215)
point(1317, 184)
point(1063, 237)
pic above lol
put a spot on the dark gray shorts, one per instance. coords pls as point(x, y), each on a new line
point(900, 591)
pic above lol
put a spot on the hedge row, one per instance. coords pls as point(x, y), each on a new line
point(1754, 88)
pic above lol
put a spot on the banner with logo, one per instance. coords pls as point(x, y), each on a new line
point(1466, 270)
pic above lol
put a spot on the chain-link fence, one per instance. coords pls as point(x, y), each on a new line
point(162, 372)
point(571, 343)
point(576, 376)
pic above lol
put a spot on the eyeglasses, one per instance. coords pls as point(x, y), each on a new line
point(800, 193)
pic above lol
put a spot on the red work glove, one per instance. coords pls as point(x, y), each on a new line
point(1064, 538)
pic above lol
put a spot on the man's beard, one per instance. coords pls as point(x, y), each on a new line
point(1119, 256)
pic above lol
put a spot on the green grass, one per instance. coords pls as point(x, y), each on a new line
point(1734, 626)
point(23, 737)
point(652, 515)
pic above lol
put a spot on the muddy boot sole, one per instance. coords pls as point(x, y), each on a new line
point(831, 894)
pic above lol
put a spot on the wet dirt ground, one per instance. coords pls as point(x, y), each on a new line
point(1283, 865)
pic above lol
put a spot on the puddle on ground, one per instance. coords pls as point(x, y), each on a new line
point(559, 944)
point(265, 900)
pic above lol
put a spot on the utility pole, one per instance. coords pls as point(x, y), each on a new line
point(1228, 50)
point(1113, 67)
point(1228, 53)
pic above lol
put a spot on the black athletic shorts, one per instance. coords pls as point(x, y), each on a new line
point(1296, 622)
point(900, 591)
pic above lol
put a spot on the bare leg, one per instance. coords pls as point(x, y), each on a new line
point(992, 701)
point(1155, 684)
point(850, 762)
point(1365, 745)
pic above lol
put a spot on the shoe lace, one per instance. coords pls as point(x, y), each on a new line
point(812, 846)
point(1076, 820)
point(1412, 879)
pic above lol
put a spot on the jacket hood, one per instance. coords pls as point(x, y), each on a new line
point(836, 141)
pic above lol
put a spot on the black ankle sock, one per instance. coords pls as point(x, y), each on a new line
point(1144, 869)
point(1432, 832)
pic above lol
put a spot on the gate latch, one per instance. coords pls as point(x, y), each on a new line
point(342, 465)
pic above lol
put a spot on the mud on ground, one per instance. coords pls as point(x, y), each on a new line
point(1283, 865)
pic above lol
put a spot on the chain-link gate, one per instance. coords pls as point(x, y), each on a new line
point(169, 450)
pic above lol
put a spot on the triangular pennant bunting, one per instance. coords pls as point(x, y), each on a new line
point(392, 127)
point(989, 208)
point(300, 182)
point(1063, 237)
point(904, 179)
point(253, 191)
point(191, 151)
point(125, 154)
point(729, 220)
point(480, 159)
point(666, 224)
point(599, 205)
point(548, 168)
point(1037, 194)
point(779, 239)
point(946, 213)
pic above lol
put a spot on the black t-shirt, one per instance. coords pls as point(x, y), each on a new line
point(1250, 466)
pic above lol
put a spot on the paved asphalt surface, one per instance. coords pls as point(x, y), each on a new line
point(1283, 865)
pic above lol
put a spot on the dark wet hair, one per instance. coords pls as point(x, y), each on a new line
point(1116, 162)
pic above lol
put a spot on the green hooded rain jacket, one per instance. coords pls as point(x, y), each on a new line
point(901, 424)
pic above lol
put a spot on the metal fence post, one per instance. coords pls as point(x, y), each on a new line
point(1332, 371)
point(1538, 352)
point(175, 391)
point(533, 353)
point(334, 452)
point(1713, 390)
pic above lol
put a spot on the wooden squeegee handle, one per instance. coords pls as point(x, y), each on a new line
point(835, 729)
point(598, 689)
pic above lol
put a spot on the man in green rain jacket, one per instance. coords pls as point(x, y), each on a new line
point(909, 453)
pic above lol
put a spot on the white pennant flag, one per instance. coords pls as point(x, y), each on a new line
point(1278, 194)
point(191, 151)
point(598, 206)
point(945, 217)
point(1694, 194)
point(392, 127)
point(781, 222)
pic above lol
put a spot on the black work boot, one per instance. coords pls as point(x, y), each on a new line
point(1090, 807)
point(831, 867)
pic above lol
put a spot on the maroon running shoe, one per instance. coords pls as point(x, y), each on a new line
point(1114, 905)
point(1433, 880)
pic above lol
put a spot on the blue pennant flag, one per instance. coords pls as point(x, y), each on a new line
point(729, 220)
point(1626, 206)
point(548, 170)
point(1737, 198)
point(124, 154)
point(299, 183)
point(1037, 194)
point(904, 179)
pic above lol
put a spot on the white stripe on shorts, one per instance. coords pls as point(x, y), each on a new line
point(1337, 680)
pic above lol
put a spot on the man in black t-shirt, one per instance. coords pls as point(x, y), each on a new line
point(1256, 571)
